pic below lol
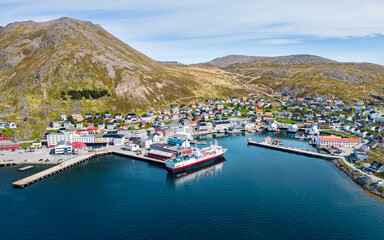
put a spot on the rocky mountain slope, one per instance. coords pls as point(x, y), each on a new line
point(45, 68)
point(307, 75)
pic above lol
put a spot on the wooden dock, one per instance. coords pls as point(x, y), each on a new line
point(53, 170)
point(138, 157)
point(293, 150)
point(70, 163)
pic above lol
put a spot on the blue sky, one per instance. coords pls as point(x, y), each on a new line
point(201, 30)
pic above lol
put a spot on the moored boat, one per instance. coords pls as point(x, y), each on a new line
point(199, 157)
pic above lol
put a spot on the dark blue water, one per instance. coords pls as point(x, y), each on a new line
point(256, 193)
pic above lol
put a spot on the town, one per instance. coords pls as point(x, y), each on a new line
point(352, 129)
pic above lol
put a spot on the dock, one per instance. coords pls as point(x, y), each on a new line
point(72, 162)
point(56, 169)
point(4, 164)
point(293, 150)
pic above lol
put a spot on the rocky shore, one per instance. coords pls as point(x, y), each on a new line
point(358, 179)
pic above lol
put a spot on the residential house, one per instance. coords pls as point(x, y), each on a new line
point(360, 154)
point(54, 124)
point(111, 126)
point(10, 125)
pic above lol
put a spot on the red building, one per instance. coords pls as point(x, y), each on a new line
point(3, 137)
point(157, 154)
point(9, 146)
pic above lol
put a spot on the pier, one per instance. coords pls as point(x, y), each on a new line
point(4, 164)
point(293, 150)
point(56, 169)
point(72, 162)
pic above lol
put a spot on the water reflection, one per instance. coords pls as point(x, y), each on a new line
point(194, 175)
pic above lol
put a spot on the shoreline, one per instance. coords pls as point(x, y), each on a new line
point(359, 181)
point(356, 178)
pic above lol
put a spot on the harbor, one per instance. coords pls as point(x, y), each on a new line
point(132, 190)
point(77, 160)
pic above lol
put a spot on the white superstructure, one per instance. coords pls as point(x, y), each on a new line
point(198, 156)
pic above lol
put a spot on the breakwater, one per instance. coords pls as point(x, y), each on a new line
point(292, 150)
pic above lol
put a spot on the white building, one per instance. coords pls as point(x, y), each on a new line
point(10, 125)
point(84, 138)
point(63, 147)
point(54, 138)
point(132, 147)
point(314, 130)
point(146, 143)
point(334, 141)
point(119, 140)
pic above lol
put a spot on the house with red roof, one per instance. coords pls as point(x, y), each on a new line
point(3, 137)
point(335, 141)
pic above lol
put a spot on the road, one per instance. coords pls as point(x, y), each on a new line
point(348, 151)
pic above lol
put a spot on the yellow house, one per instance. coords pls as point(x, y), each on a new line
point(98, 138)
point(36, 144)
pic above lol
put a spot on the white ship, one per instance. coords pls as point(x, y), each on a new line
point(199, 157)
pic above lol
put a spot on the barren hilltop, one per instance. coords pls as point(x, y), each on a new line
point(306, 75)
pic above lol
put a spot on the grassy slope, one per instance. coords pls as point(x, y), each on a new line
point(343, 80)
point(49, 51)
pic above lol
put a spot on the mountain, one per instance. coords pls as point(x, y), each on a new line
point(49, 68)
point(306, 75)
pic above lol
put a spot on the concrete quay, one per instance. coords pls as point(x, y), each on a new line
point(293, 150)
point(4, 164)
point(74, 161)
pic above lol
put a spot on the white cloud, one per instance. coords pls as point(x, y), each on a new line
point(275, 22)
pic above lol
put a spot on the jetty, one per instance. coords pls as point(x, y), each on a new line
point(293, 150)
point(56, 169)
point(72, 162)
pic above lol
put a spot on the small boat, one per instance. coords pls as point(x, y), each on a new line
point(25, 168)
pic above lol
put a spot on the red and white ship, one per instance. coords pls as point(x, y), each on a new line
point(199, 157)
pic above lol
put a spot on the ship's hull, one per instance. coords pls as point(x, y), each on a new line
point(194, 165)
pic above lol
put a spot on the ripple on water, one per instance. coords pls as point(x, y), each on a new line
point(255, 194)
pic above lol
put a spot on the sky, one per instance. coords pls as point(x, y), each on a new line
point(200, 30)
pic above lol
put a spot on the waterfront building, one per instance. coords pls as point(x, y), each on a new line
point(162, 155)
point(132, 147)
point(63, 147)
point(9, 146)
point(79, 147)
point(334, 141)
